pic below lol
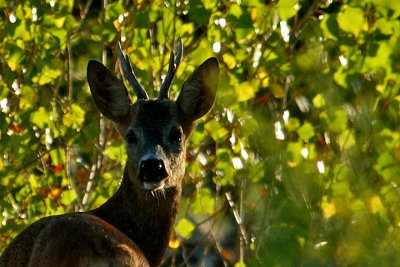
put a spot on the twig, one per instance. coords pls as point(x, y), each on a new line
point(237, 216)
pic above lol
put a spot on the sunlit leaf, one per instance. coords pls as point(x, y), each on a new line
point(352, 20)
point(68, 196)
point(294, 154)
point(380, 59)
point(116, 152)
point(346, 139)
point(277, 90)
point(375, 204)
point(40, 117)
point(306, 131)
point(47, 75)
point(204, 202)
point(329, 26)
point(75, 117)
point(288, 8)
point(216, 130)
point(174, 242)
point(247, 90)
point(240, 264)
point(58, 156)
point(328, 209)
point(229, 60)
point(384, 26)
point(387, 166)
point(318, 101)
point(339, 122)
point(184, 228)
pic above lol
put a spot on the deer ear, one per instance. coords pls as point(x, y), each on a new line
point(109, 93)
point(198, 92)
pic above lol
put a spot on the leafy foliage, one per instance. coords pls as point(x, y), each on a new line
point(298, 163)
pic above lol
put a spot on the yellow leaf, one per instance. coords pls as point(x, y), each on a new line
point(277, 91)
point(329, 209)
point(240, 264)
point(184, 228)
point(174, 242)
point(12, 65)
point(117, 25)
point(229, 60)
point(247, 90)
point(375, 204)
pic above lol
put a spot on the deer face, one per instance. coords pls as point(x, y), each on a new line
point(156, 144)
point(155, 131)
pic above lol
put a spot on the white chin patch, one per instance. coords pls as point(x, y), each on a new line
point(153, 186)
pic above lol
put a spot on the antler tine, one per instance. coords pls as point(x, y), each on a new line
point(173, 66)
point(130, 75)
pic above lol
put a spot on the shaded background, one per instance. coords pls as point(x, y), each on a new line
point(297, 164)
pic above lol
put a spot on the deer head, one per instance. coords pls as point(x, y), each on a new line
point(155, 131)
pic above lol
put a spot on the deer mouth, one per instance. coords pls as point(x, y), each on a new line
point(152, 186)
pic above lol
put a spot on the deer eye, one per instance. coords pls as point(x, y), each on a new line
point(131, 138)
point(175, 136)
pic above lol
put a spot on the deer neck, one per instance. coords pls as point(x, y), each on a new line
point(146, 218)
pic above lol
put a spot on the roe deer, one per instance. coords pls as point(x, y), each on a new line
point(134, 226)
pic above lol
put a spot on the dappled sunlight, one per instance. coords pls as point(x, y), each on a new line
point(297, 164)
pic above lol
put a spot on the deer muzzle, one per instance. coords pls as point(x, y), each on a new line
point(152, 173)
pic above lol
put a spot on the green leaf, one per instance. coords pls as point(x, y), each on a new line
point(114, 10)
point(40, 117)
point(75, 117)
point(256, 172)
point(294, 153)
point(68, 196)
point(346, 140)
point(243, 19)
point(288, 8)
point(378, 58)
point(352, 20)
point(384, 26)
point(340, 77)
point(388, 167)
point(306, 131)
point(319, 101)
point(47, 74)
point(216, 131)
point(36, 208)
point(384, 6)
point(339, 123)
point(22, 31)
point(58, 156)
point(329, 26)
point(14, 59)
point(204, 202)
point(116, 151)
point(198, 13)
point(293, 124)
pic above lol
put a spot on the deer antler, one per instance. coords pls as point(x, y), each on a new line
point(173, 66)
point(130, 75)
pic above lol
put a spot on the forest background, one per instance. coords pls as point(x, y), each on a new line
point(298, 164)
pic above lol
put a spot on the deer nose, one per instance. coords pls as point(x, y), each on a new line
point(152, 170)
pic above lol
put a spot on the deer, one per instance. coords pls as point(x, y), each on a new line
point(133, 227)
